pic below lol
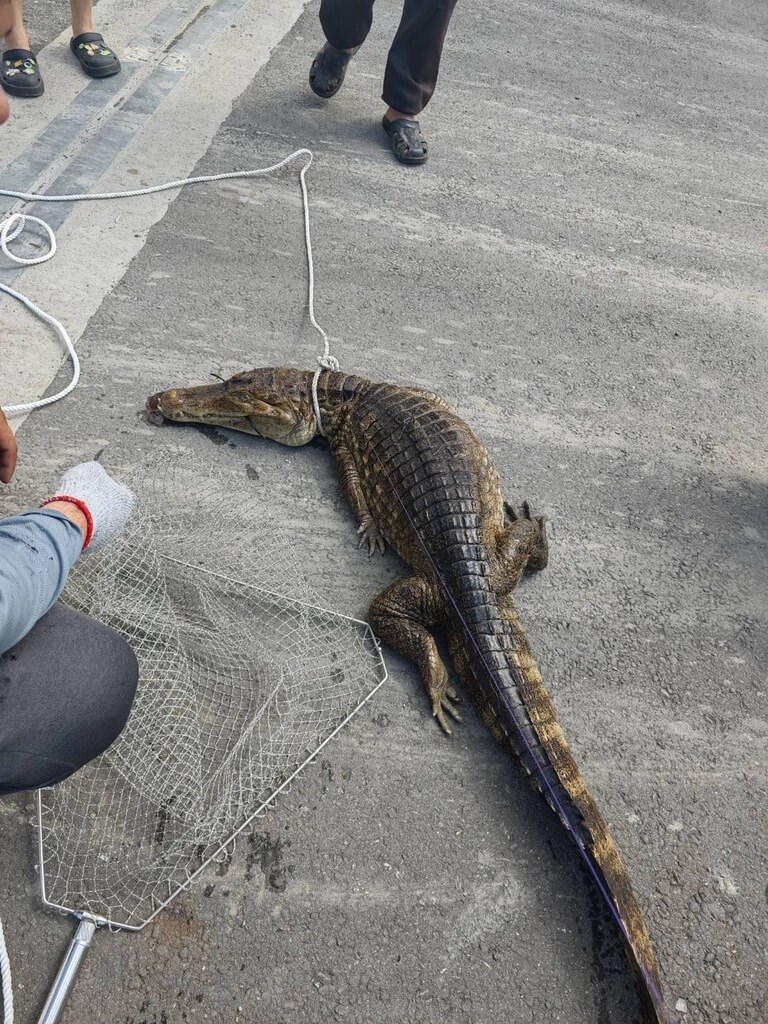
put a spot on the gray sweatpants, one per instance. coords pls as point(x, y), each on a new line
point(65, 692)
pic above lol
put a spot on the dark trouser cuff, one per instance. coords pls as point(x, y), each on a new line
point(414, 57)
point(346, 25)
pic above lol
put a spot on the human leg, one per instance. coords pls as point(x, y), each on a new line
point(65, 693)
point(411, 74)
point(6, 17)
point(346, 23)
point(414, 57)
point(82, 16)
point(16, 35)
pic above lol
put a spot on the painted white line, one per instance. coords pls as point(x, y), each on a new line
point(161, 130)
point(120, 22)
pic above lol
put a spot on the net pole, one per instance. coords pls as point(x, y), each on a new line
point(70, 965)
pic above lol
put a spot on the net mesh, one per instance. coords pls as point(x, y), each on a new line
point(242, 679)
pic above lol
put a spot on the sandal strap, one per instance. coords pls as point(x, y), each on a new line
point(88, 37)
point(19, 54)
point(406, 132)
point(332, 62)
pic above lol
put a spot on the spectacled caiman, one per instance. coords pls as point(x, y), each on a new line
point(418, 478)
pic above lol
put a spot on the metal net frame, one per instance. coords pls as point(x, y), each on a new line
point(244, 678)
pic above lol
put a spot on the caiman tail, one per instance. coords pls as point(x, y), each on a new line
point(496, 665)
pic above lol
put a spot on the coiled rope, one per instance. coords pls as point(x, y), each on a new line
point(13, 226)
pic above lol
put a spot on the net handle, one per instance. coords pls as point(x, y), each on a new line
point(70, 965)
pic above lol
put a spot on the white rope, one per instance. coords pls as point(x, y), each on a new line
point(15, 223)
point(62, 333)
point(5, 976)
point(326, 361)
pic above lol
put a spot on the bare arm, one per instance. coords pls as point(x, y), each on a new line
point(7, 439)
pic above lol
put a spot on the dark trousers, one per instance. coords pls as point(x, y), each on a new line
point(65, 693)
point(414, 58)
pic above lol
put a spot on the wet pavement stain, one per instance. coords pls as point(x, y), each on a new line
point(268, 854)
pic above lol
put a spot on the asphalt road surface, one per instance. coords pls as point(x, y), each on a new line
point(580, 270)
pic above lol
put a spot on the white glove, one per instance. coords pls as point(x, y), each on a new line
point(106, 504)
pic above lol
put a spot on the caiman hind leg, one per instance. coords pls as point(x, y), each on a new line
point(521, 545)
point(401, 616)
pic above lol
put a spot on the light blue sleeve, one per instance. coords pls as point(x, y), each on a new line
point(37, 550)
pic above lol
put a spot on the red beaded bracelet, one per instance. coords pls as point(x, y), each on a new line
point(83, 508)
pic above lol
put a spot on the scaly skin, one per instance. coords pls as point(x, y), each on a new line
point(418, 478)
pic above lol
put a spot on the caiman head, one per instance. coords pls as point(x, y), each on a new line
point(271, 403)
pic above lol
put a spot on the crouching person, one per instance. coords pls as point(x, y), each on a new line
point(67, 682)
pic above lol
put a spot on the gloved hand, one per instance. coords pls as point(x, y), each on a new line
point(106, 504)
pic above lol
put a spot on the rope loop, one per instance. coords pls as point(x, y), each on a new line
point(10, 229)
point(15, 223)
point(329, 363)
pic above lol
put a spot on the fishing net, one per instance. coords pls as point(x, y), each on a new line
point(243, 677)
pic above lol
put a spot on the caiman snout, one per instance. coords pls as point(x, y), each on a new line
point(154, 414)
point(161, 406)
point(272, 403)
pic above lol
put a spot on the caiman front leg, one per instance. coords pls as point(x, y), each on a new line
point(521, 545)
point(402, 616)
point(368, 528)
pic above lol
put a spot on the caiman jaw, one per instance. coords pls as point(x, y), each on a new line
point(169, 405)
point(273, 404)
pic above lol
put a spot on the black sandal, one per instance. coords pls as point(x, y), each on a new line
point(408, 144)
point(96, 58)
point(326, 76)
point(20, 74)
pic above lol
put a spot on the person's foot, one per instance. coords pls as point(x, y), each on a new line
point(20, 74)
point(95, 57)
point(326, 76)
point(405, 137)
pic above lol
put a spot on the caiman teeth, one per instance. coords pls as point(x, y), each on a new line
point(152, 411)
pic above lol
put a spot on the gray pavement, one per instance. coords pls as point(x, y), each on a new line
point(580, 270)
